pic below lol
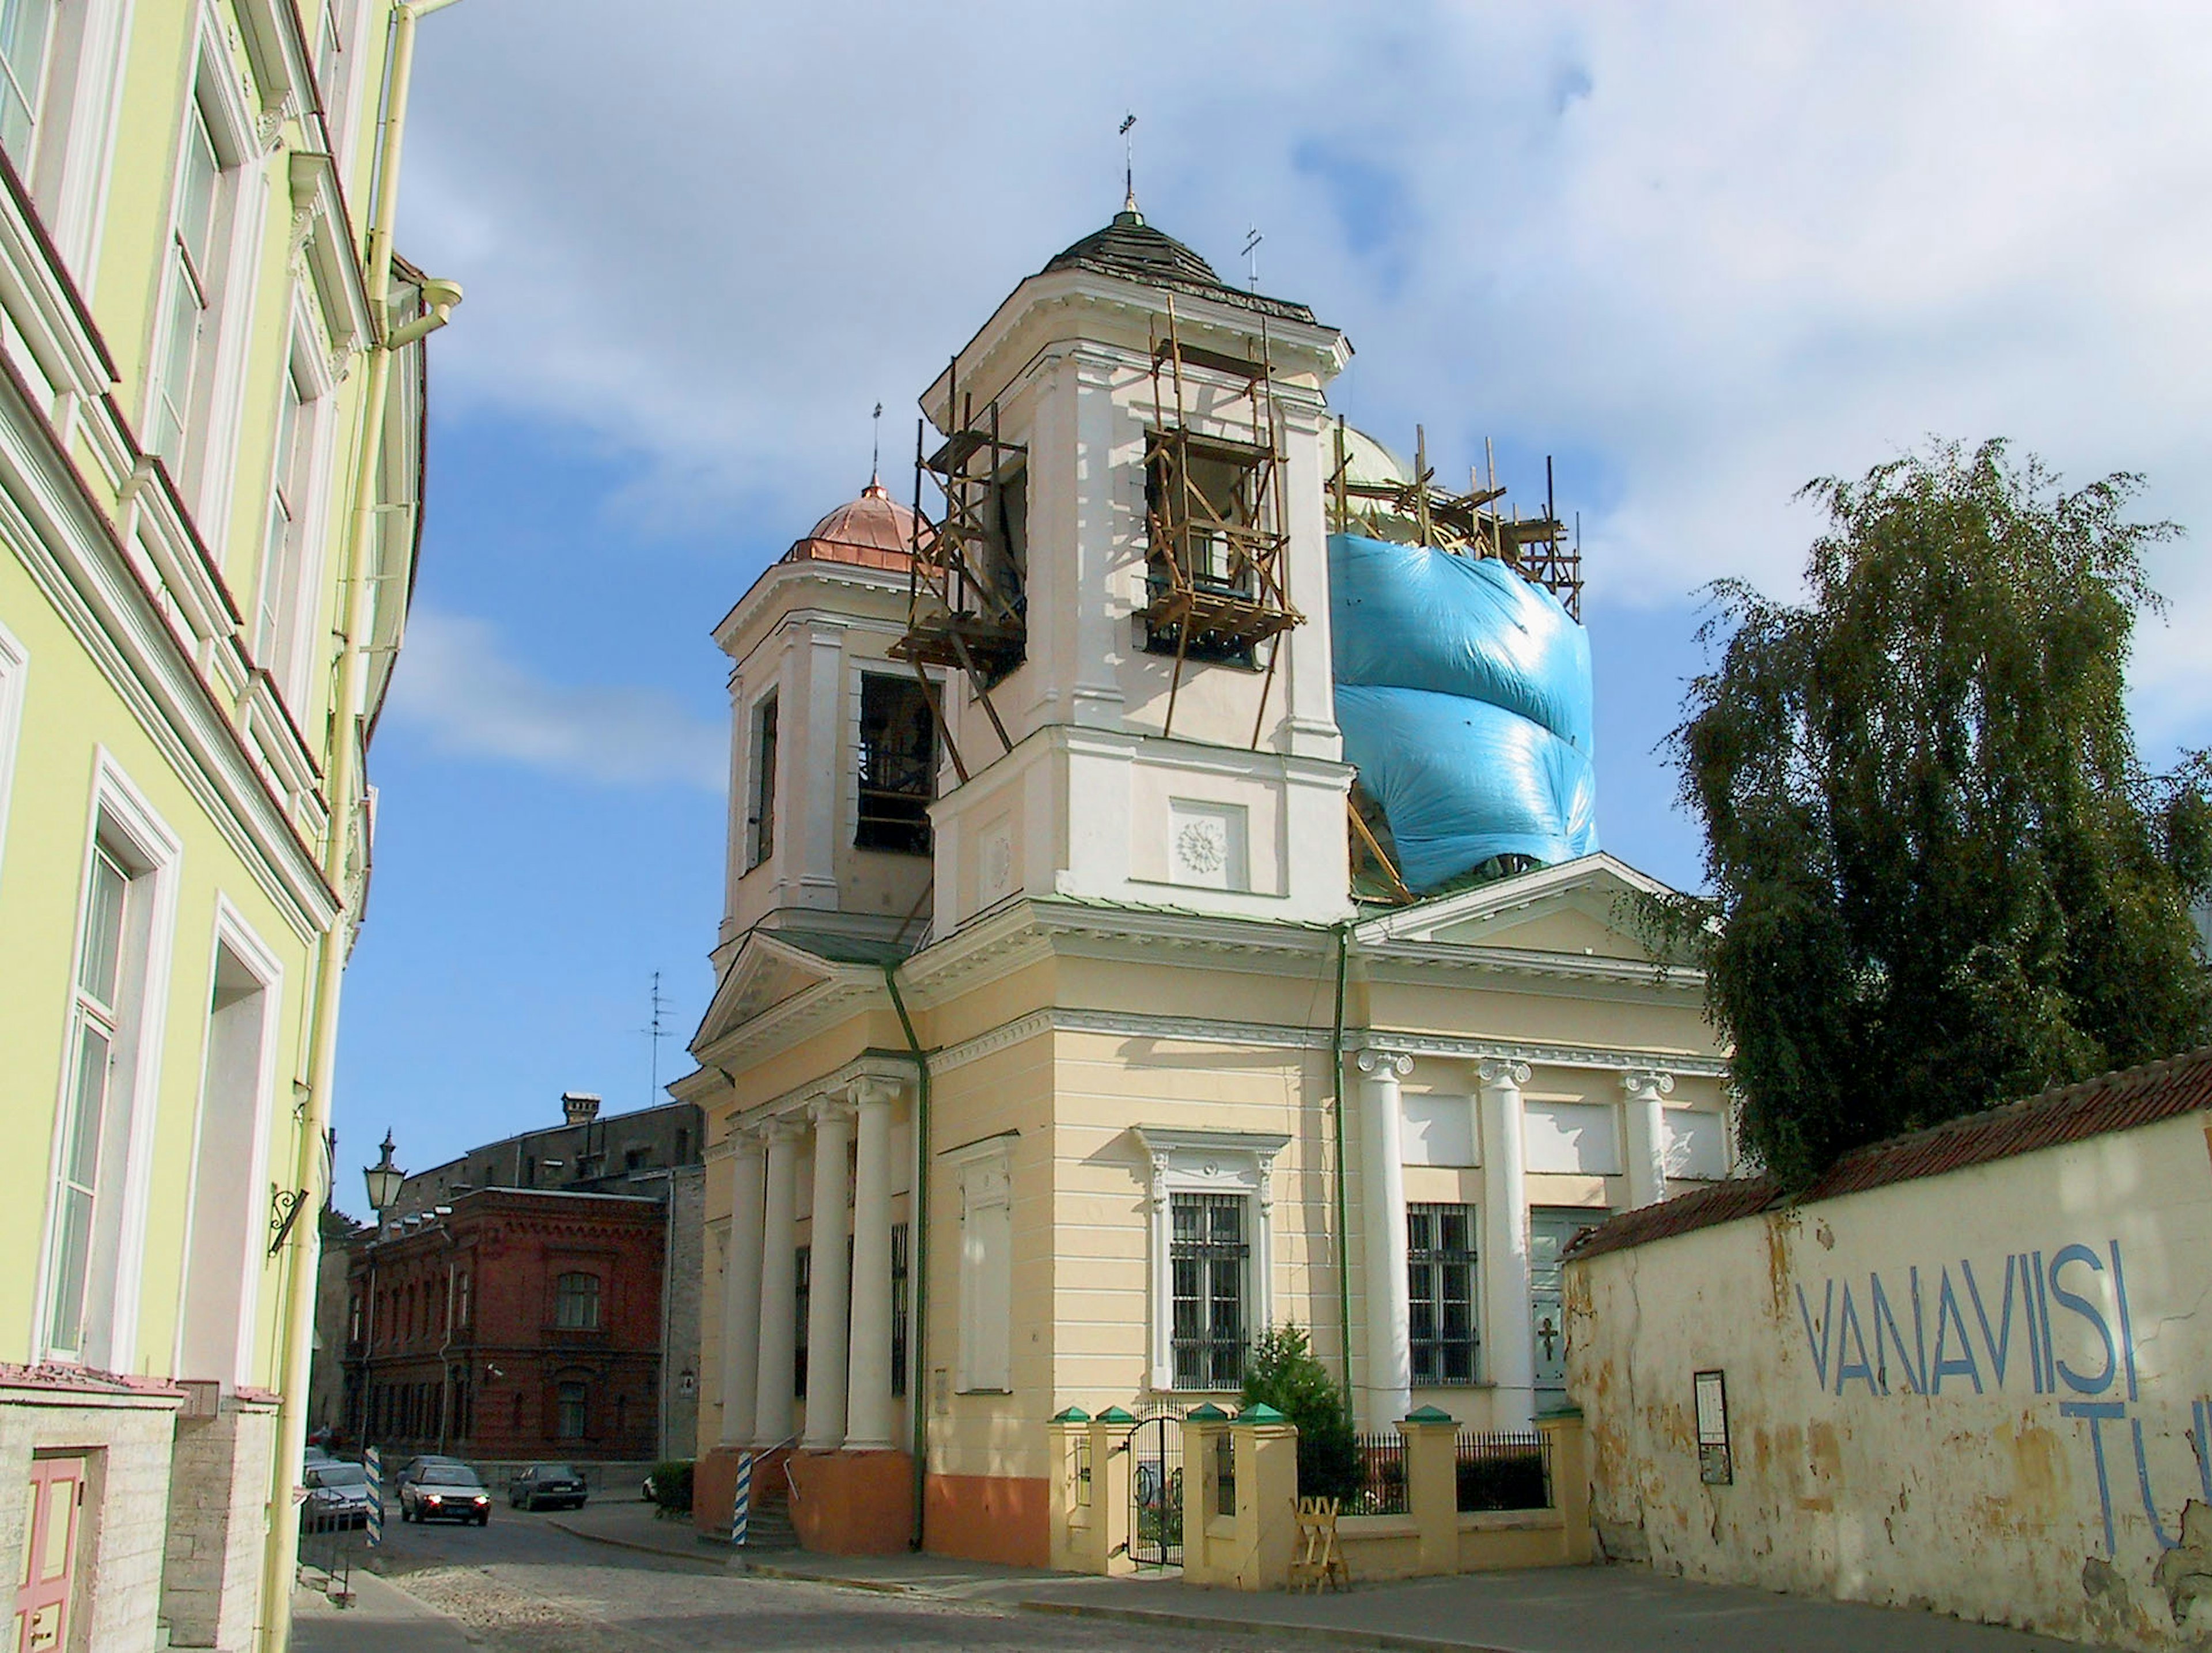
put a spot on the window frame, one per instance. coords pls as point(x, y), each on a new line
point(284, 634)
point(1433, 1260)
point(119, 819)
point(203, 466)
point(984, 1174)
point(14, 681)
point(568, 1291)
point(1180, 1161)
point(763, 758)
point(1206, 1253)
point(907, 684)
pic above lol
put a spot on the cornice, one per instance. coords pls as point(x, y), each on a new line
point(1459, 957)
point(1397, 1041)
point(892, 1068)
point(331, 260)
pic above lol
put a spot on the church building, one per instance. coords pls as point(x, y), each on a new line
point(1102, 978)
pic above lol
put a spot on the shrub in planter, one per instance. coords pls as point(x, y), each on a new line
point(671, 1482)
point(1283, 1371)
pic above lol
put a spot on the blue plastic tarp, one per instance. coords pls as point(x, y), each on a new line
point(1463, 692)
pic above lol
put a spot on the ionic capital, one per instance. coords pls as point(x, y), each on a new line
point(1647, 1083)
point(1385, 1063)
point(829, 1110)
point(1502, 1072)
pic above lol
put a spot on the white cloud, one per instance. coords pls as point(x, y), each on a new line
point(455, 683)
point(1704, 253)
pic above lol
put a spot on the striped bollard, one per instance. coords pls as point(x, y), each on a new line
point(373, 1461)
point(741, 1506)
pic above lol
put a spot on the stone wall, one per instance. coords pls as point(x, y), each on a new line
point(1982, 1391)
point(219, 1480)
point(680, 1353)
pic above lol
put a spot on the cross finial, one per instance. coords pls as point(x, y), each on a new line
point(1128, 163)
point(876, 450)
point(1252, 240)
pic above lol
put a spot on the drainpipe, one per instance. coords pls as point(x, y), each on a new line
point(1336, 1116)
point(917, 1255)
point(348, 704)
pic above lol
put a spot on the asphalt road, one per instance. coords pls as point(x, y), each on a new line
point(522, 1586)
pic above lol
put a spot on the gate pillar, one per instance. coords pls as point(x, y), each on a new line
point(1109, 1489)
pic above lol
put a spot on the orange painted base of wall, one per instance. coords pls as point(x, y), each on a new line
point(714, 1486)
point(853, 1503)
point(987, 1518)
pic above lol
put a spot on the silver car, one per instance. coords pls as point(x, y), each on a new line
point(337, 1496)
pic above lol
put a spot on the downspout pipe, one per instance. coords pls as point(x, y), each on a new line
point(917, 1255)
point(1336, 1120)
point(348, 707)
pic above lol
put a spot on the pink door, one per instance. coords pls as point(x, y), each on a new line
point(45, 1591)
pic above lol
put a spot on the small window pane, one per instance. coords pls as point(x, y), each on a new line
point(26, 28)
point(576, 1302)
point(1440, 1293)
point(101, 967)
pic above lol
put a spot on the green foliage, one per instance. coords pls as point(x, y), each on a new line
point(1283, 1371)
point(671, 1487)
point(1941, 878)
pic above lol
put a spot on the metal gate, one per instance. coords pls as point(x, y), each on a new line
point(1155, 1449)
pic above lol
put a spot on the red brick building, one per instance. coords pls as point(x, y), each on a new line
point(514, 1323)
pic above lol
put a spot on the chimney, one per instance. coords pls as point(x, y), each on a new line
point(579, 1107)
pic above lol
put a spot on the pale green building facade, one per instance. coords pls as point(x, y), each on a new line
point(211, 386)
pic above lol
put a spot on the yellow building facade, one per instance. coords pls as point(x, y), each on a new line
point(211, 413)
point(1052, 1056)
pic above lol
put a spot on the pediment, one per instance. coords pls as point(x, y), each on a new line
point(765, 973)
point(1580, 907)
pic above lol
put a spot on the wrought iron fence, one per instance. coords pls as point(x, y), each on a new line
point(329, 1542)
point(1225, 1474)
point(1504, 1471)
point(1382, 1477)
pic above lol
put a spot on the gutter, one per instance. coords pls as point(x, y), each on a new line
point(917, 1255)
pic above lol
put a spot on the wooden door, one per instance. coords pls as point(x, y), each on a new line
point(45, 1590)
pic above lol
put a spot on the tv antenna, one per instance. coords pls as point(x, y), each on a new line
point(1129, 163)
point(654, 1033)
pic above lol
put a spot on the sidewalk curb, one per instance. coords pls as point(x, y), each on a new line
point(1324, 1635)
point(632, 1544)
point(800, 1575)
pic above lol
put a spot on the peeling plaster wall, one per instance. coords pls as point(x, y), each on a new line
point(1987, 1393)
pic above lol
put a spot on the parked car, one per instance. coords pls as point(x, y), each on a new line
point(313, 1456)
point(338, 1496)
point(444, 1492)
point(555, 1485)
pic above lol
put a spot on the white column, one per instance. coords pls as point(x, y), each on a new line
point(829, 1282)
point(1646, 1134)
point(1389, 1388)
point(868, 1399)
point(1507, 1335)
point(779, 1288)
point(741, 1291)
point(814, 799)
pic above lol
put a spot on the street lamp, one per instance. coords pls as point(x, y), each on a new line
point(384, 1179)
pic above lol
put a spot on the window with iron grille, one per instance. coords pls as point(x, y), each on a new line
point(898, 764)
point(1206, 1263)
point(1440, 1295)
point(898, 1308)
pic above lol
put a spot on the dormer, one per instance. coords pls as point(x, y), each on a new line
point(834, 751)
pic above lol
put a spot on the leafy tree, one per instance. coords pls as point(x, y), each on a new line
point(1283, 1371)
point(1941, 879)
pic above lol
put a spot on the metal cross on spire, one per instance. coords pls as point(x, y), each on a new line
point(876, 450)
point(1128, 163)
point(1252, 240)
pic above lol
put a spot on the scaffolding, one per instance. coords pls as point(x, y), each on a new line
point(1217, 547)
point(1540, 549)
point(967, 604)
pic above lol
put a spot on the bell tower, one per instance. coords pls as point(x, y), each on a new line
point(1128, 594)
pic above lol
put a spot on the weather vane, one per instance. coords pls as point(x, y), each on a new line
point(1129, 163)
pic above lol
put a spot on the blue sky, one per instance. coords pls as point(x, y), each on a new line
point(1699, 254)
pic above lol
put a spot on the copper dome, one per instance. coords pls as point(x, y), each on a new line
point(874, 531)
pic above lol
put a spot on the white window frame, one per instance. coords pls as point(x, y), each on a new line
point(984, 1360)
point(66, 170)
point(120, 817)
point(285, 650)
point(15, 674)
point(201, 469)
point(1181, 1161)
point(751, 798)
point(233, 935)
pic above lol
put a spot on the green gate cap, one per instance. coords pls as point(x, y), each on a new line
point(1071, 1415)
point(1118, 1415)
point(1429, 1415)
point(1208, 1414)
point(1261, 1412)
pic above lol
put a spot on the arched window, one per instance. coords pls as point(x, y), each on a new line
point(576, 1302)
